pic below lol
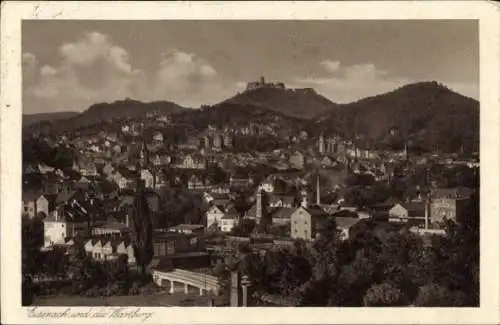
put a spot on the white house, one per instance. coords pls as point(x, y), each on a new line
point(158, 137)
point(54, 231)
point(267, 186)
point(214, 215)
point(147, 177)
point(228, 222)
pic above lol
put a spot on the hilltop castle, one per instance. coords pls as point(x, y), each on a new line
point(261, 83)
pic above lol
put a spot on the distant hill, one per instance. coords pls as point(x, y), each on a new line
point(29, 119)
point(426, 114)
point(301, 103)
point(104, 112)
point(125, 108)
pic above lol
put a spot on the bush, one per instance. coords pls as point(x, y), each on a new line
point(148, 288)
point(134, 289)
point(92, 292)
point(113, 289)
point(102, 291)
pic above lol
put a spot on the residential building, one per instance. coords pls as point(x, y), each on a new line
point(450, 208)
point(304, 221)
point(190, 161)
point(229, 220)
point(297, 160)
point(170, 243)
point(188, 229)
point(350, 228)
point(281, 215)
point(287, 201)
point(413, 212)
point(148, 178)
point(214, 215)
point(34, 203)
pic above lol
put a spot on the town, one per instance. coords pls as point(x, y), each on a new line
point(212, 216)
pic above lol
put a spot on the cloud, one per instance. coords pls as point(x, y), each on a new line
point(330, 66)
point(349, 83)
point(94, 69)
point(189, 80)
point(91, 69)
point(29, 65)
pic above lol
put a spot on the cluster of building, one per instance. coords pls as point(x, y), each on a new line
point(90, 202)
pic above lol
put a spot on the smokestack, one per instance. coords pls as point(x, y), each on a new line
point(426, 214)
point(318, 193)
point(259, 207)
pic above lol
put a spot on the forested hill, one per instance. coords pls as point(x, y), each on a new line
point(103, 112)
point(29, 119)
point(426, 114)
point(233, 115)
point(299, 103)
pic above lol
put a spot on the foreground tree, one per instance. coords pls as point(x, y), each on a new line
point(142, 229)
point(385, 294)
point(436, 295)
point(244, 228)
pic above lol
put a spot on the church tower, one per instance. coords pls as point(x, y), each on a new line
point(260, 206)
point(321, 144)
point(304, 199)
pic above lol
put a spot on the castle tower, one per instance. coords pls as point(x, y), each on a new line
point(262, 81)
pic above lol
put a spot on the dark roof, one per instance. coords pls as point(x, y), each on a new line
point(414, 206)
point(187, 227)
point(29, 196)
point(346, 222)
point(452, 192)
point(64, 197)
point(286, 199)
point(282, 213)
point(387, 204)
point(315, 210)
point(51, 198)
point(126, 173)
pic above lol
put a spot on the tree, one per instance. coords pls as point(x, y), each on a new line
point(27, 295)
point(32, 239)
point(436, 295)
point(384, 295)
point(244, 227)
point(142, 229)
point(357, 277)
point(118, 273)
point(79, 268)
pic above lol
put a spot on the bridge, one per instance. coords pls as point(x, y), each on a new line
point(204, 282)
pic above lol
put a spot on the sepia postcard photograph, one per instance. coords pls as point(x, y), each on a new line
point(218, 156)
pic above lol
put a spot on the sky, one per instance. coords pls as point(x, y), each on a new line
point(69, 65)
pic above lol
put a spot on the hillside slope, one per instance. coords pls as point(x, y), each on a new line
point(426, 114)
point(29, 119)
point(105, 112)
point(300, 103)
